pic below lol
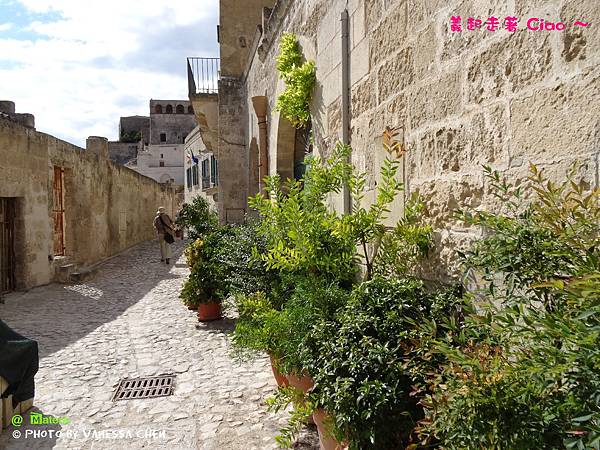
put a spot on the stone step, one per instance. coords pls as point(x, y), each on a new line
point(83, 275)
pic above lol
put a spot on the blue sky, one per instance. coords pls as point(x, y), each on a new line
point(78, 66)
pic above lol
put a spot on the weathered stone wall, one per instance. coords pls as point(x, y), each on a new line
point(122, 152)
point(108, 208)
point(134, 124)
point(232, 152)
point(460, 100)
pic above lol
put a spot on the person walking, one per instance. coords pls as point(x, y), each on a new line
point(166, 234)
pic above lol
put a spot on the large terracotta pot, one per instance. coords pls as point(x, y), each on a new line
point(326, 441)
point(209, 311)
point(282, 380)
point(303, 382)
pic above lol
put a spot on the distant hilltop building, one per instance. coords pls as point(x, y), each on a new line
point(154, 145)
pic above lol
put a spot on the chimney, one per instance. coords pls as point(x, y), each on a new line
point(97, 145)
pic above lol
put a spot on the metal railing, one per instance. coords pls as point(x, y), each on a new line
point(203, 75)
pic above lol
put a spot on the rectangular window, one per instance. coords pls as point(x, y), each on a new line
point(214, 171)
point(163, 137)
point(161, 164)
point(195, 175)
point(188, 177)
point(205, 174)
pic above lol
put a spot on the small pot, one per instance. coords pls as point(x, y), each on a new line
point(282, 380)
point(209, 311)
point(326, 440)
point(305, 383)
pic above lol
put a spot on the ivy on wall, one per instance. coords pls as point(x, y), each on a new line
point(300, 78)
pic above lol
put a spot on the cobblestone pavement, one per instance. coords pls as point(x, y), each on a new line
point(128, 322)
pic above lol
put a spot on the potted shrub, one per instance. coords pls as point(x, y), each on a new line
point(363, 379)
point(206, 286)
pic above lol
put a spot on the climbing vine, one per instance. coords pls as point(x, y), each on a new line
point(300, 78)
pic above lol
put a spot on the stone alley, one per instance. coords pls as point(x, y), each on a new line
point(126, 322)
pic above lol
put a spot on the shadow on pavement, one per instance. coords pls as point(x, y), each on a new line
point(60, 314)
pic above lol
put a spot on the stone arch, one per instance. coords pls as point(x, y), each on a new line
point(286, 151)
point(158, 109)
point(180, 109)
point(190, 109)
point(169, 109)
point(165, 178)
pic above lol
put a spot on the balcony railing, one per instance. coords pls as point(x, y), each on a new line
point(203, 75)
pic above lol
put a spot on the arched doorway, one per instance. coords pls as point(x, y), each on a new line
point(293, 146)
point(286, 138)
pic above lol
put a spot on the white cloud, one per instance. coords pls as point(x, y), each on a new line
point(5, 26)
point(101, 60)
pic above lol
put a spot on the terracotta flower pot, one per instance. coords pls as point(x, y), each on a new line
point(209, 311)
point(281, 379)
point(304, 382)
point(326, 440)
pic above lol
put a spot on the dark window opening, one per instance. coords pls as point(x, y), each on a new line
point(161, 164)
point(163, 137)
point(158, 109)
point(169, 109)
point(188, 177)
point(303, 147)
point(195, 175)
point(190, 109)
point(180, 109)
point(214, 171)
point(205, 174)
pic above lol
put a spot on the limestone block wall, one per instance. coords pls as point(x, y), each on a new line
point(460, 100)
point(232, 152)
point(108, 208)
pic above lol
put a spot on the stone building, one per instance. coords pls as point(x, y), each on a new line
point(134, 134)
point(64, 208)
point(459, 99)
point(158, 141)
point(201, 170)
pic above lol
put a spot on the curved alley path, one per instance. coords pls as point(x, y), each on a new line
point(128, 321)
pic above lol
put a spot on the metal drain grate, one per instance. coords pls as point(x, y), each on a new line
point(151, 387)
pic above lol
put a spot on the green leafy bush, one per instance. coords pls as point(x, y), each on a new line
point(245, 274)
point(359, 361)
point(198, 218)
point(207, 280)
point(304, 235)
point(298, 226)
point(283, 332)
point(522, 372)
point(553, 235)
point(131, 136)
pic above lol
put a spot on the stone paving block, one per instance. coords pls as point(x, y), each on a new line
point(128, 322)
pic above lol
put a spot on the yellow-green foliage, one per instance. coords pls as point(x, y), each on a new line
point(300, 78)
point(194, 252)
